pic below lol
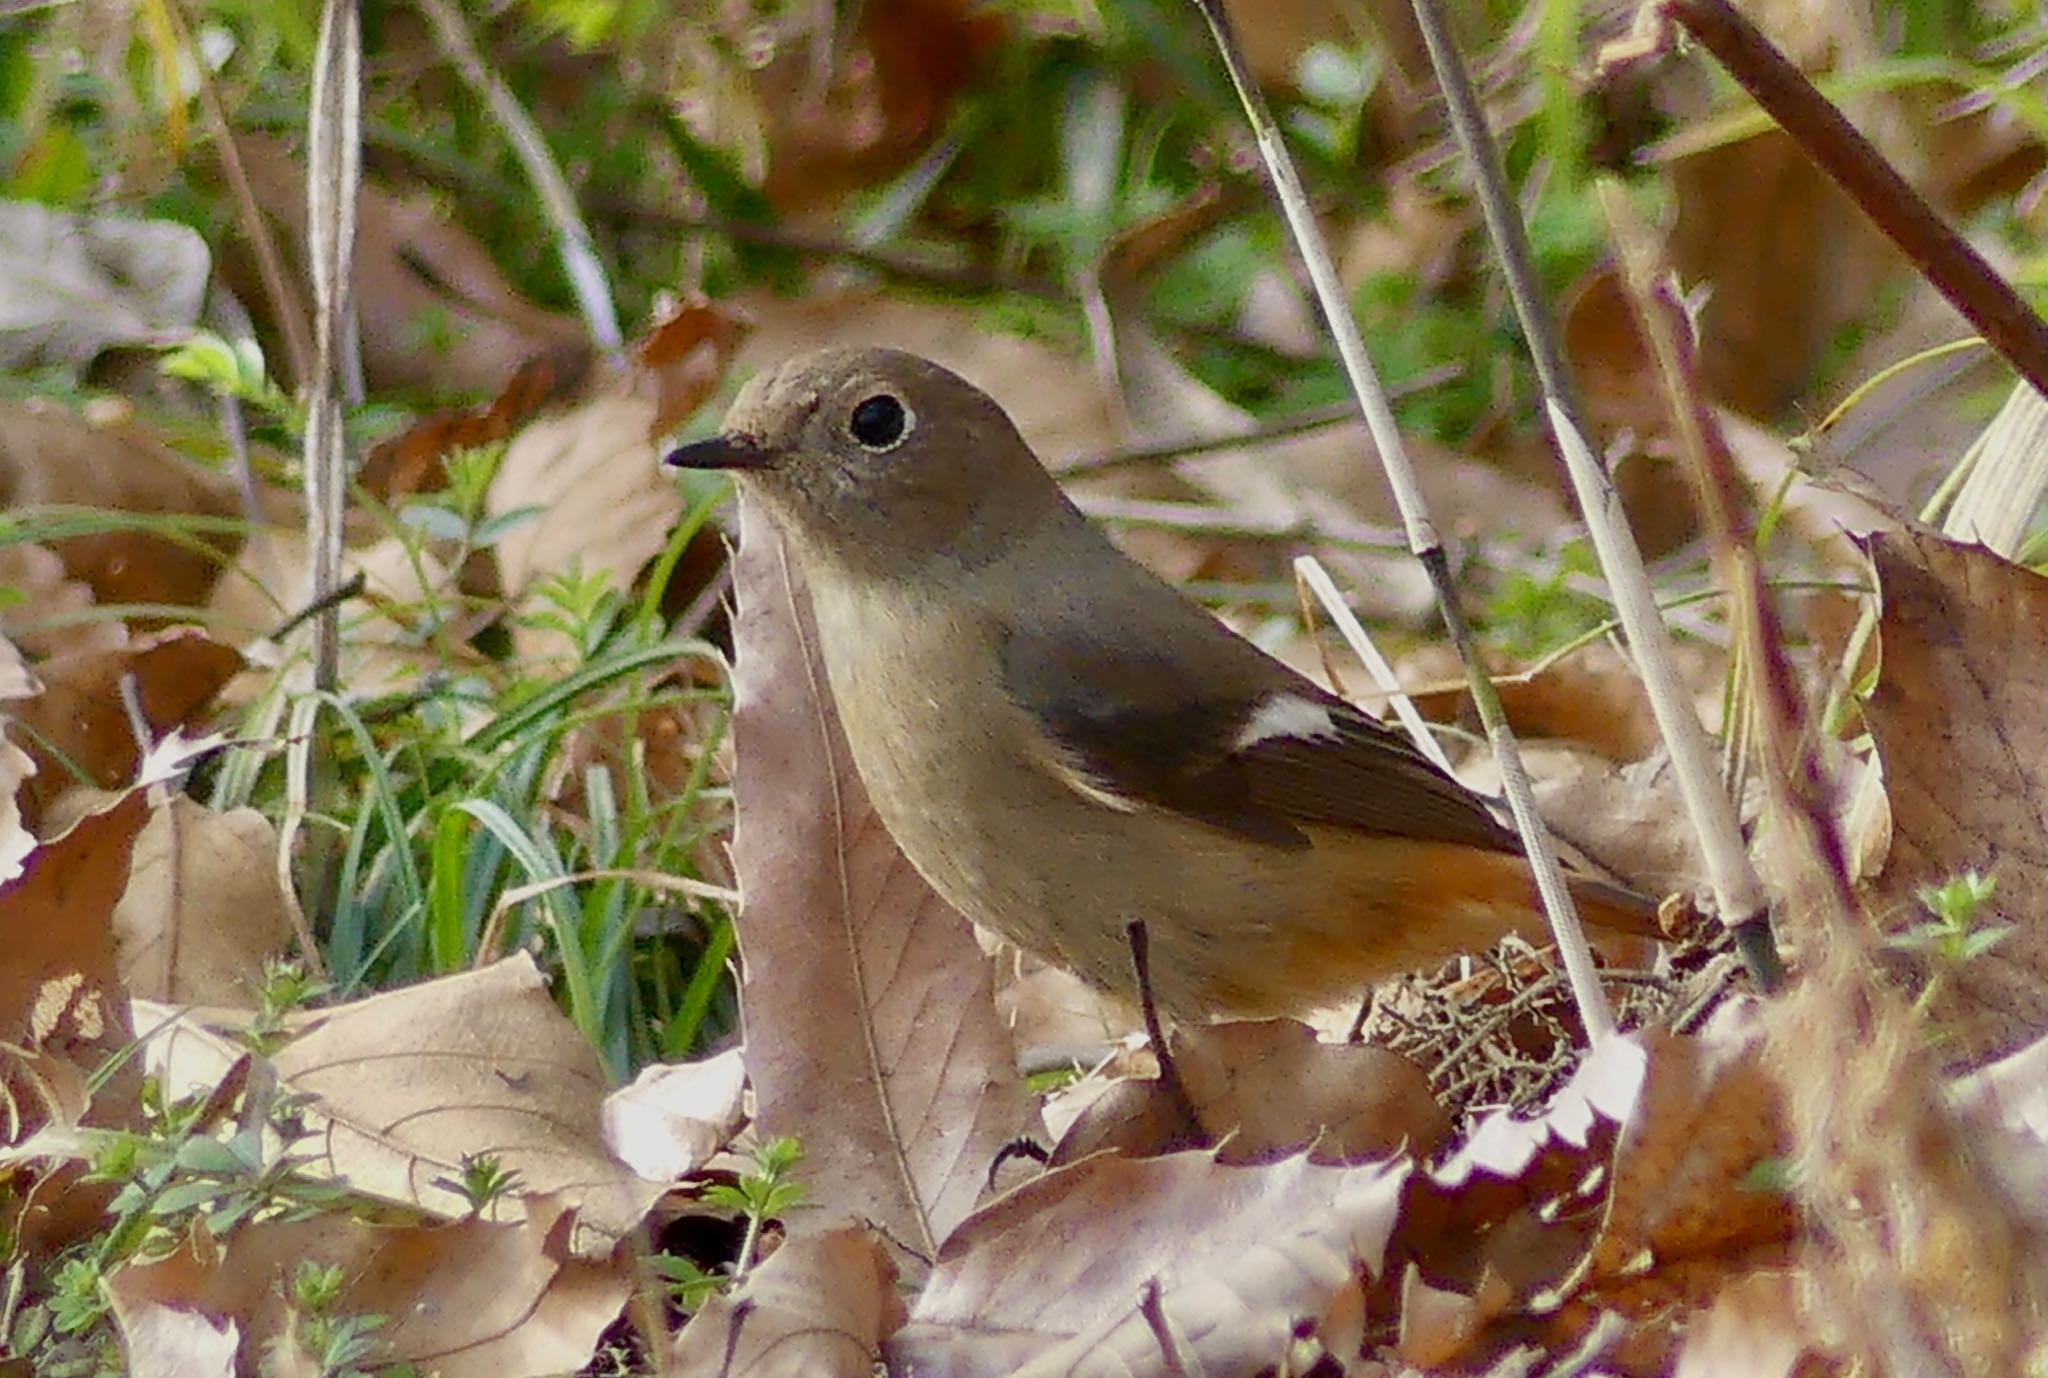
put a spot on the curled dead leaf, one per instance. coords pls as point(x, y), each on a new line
point(1266, 1090)
point(468, 1299)
point(1081, 1271)
point(820, 1307)
point(1962, 731)
point(203, 910)
point(409, 1082)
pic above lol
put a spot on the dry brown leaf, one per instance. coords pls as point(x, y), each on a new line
point(50, 457)
point(1269, 1089)
point(16, 765)
point(674, 1116)
point(1606, 1086)
point(436, 314)
point(1056, 1018)
point(872, 1034)
point(1962, 730)
point(820, 1307)
point(890, 87)
point(58, 984)
point(410, 1081)
point(1052, 1278)
point(606, 505)
point(1788, 260)
point(52, 618)
point(413, 461)
point(1753, 1329)
point(63, 1017)
point(1684, 1182)
point(1631, 821)
point(469, 1299)
point(80, 713)
point(203, 910)
point(174, 1342)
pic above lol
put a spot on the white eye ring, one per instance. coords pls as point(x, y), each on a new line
point(881, 422)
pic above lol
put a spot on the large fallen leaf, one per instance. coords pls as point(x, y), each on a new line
point(16, 765)
point(63, 1019)
point(52, 458)
point(605, 503)
point(173, 1342)
point(72, 285)
point(819, 1308)
point(80, 721)
point(1631, 821)
point(1778, 298)
point(1268, 1089)
point(410, 1082)
point(436, 313)
point(58, 984)
point(203, 910)
point(871, 1029)
point(674, 1116)
point(888, 89)
point(1687, 1180)
point(1081, 1271)
point(50, 616)
point(470, 1299)
point(1961, 727)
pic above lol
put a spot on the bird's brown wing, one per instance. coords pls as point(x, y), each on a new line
point(1140, 730)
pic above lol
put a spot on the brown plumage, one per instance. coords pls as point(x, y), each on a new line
point(1061, 743)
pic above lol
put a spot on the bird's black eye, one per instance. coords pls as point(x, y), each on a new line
point(879, 422)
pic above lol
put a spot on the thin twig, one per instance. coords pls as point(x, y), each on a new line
point(1311, 572)
point(298, 770)
point(1739, 895)
point(1304, 422)
point(341, 593)
point(1421, 533)
point(487, 941)
point(587, 277)
point(1206, 519)
point(1825, 135)
point(334, 170)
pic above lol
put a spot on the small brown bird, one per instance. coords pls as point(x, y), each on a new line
point(1062, 744)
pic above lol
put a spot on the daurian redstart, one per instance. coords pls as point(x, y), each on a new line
point(1062, 744)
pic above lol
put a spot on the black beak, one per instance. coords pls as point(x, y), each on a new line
point(719, 452)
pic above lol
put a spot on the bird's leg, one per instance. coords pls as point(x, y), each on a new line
point(1023, 1146)
point(1169, 1075)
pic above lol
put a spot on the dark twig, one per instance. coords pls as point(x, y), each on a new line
point(334, 597)
point(1825, 135)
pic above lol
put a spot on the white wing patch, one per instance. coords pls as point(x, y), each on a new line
point(1077, 778)
point(1284, 715)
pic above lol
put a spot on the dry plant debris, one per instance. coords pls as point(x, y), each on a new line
point(450, 1174)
